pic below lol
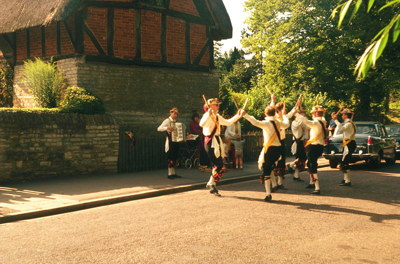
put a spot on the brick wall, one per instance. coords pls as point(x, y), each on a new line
point(176, 40)
point(124, 33)
point(97, 22)
point(142, 96)
point(151, 37)
point(51, 145)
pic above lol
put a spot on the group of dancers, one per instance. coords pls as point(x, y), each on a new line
point(309, 139)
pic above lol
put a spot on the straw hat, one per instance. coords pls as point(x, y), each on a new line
point(213, 101)
point(317, 108)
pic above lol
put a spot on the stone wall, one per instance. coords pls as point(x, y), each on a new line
point(135, 95)
point(51, 145)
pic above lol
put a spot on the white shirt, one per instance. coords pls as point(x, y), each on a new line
point(316, 129)
point(284, 124)
point(163, 127)
point(267, 127)
point(299, 129)
point(348, 129)
point(208, 124)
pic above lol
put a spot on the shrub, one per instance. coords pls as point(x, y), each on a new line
point(6, 84)
point(79, 100)
point(45, 82)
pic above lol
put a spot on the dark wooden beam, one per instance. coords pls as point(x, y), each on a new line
point(79, 25)
point(187, 43)
point(28, 43)
point(58, 38)
point(93, 38)
point(210, 48)
point(110, 32)
point(203, 50)
point(43, 35)
point(71, 37)
point(14, 34)
point(138, 33)
point(163, 38)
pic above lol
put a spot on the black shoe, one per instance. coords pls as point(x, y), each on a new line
point(345, 184)
point(317, 192)
point(171, 177)
point(281, 187)
point(289, 169)
point(268, 198)
point(310, 186)
point(176, 176)
point(274, 189)
point(343, 181)
point(298, 179)
point(214, 190)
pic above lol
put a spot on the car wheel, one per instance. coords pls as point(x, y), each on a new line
point(333, 164)
point(377, 163)
point(391, 160)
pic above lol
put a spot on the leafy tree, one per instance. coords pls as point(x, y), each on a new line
point(379, 42)
point(304, 52)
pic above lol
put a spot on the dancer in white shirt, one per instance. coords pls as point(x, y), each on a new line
point(211, 123)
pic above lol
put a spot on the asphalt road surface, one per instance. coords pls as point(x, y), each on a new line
point(358, 224)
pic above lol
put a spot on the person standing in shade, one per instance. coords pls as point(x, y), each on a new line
point(315, 144)
point(196, 129)
point(301, 135)
point(271, 150)
point(349, 144)
point(171, 147)
point(234, 135)
point(332, 124)
point(211, 123)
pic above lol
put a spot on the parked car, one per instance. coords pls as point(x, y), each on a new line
point(394, 132)
point(373, 145)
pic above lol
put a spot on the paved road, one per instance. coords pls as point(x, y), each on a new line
point(344, 225)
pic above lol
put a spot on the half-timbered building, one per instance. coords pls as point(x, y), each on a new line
point(140, 56)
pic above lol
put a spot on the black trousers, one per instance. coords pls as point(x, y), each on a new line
point(301, 150)
point(345, 162)
point(314, 152)
point(282, 162)
point(216, 162)
point(272, 155)
point(172, 154)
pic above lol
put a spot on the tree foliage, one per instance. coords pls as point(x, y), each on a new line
point(44, 80)
point(390, 31)
point(304, 52)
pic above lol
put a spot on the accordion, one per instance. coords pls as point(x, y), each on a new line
point(179, 133)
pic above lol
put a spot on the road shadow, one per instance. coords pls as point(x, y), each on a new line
point(380, 186)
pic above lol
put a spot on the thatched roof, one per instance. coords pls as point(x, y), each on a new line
point(20, 14)
point(221, 19)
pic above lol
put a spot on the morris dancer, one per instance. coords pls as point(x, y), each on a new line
point(301, 135)
point(211, 123)
point(315, 144)
point(349, 143)
point(171, 148)
point(271, 150)
point(283, 118)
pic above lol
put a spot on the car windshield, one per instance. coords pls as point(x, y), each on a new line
point(393, 130)
point(361, 129)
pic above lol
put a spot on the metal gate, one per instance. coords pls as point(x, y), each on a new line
point(146, 152)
